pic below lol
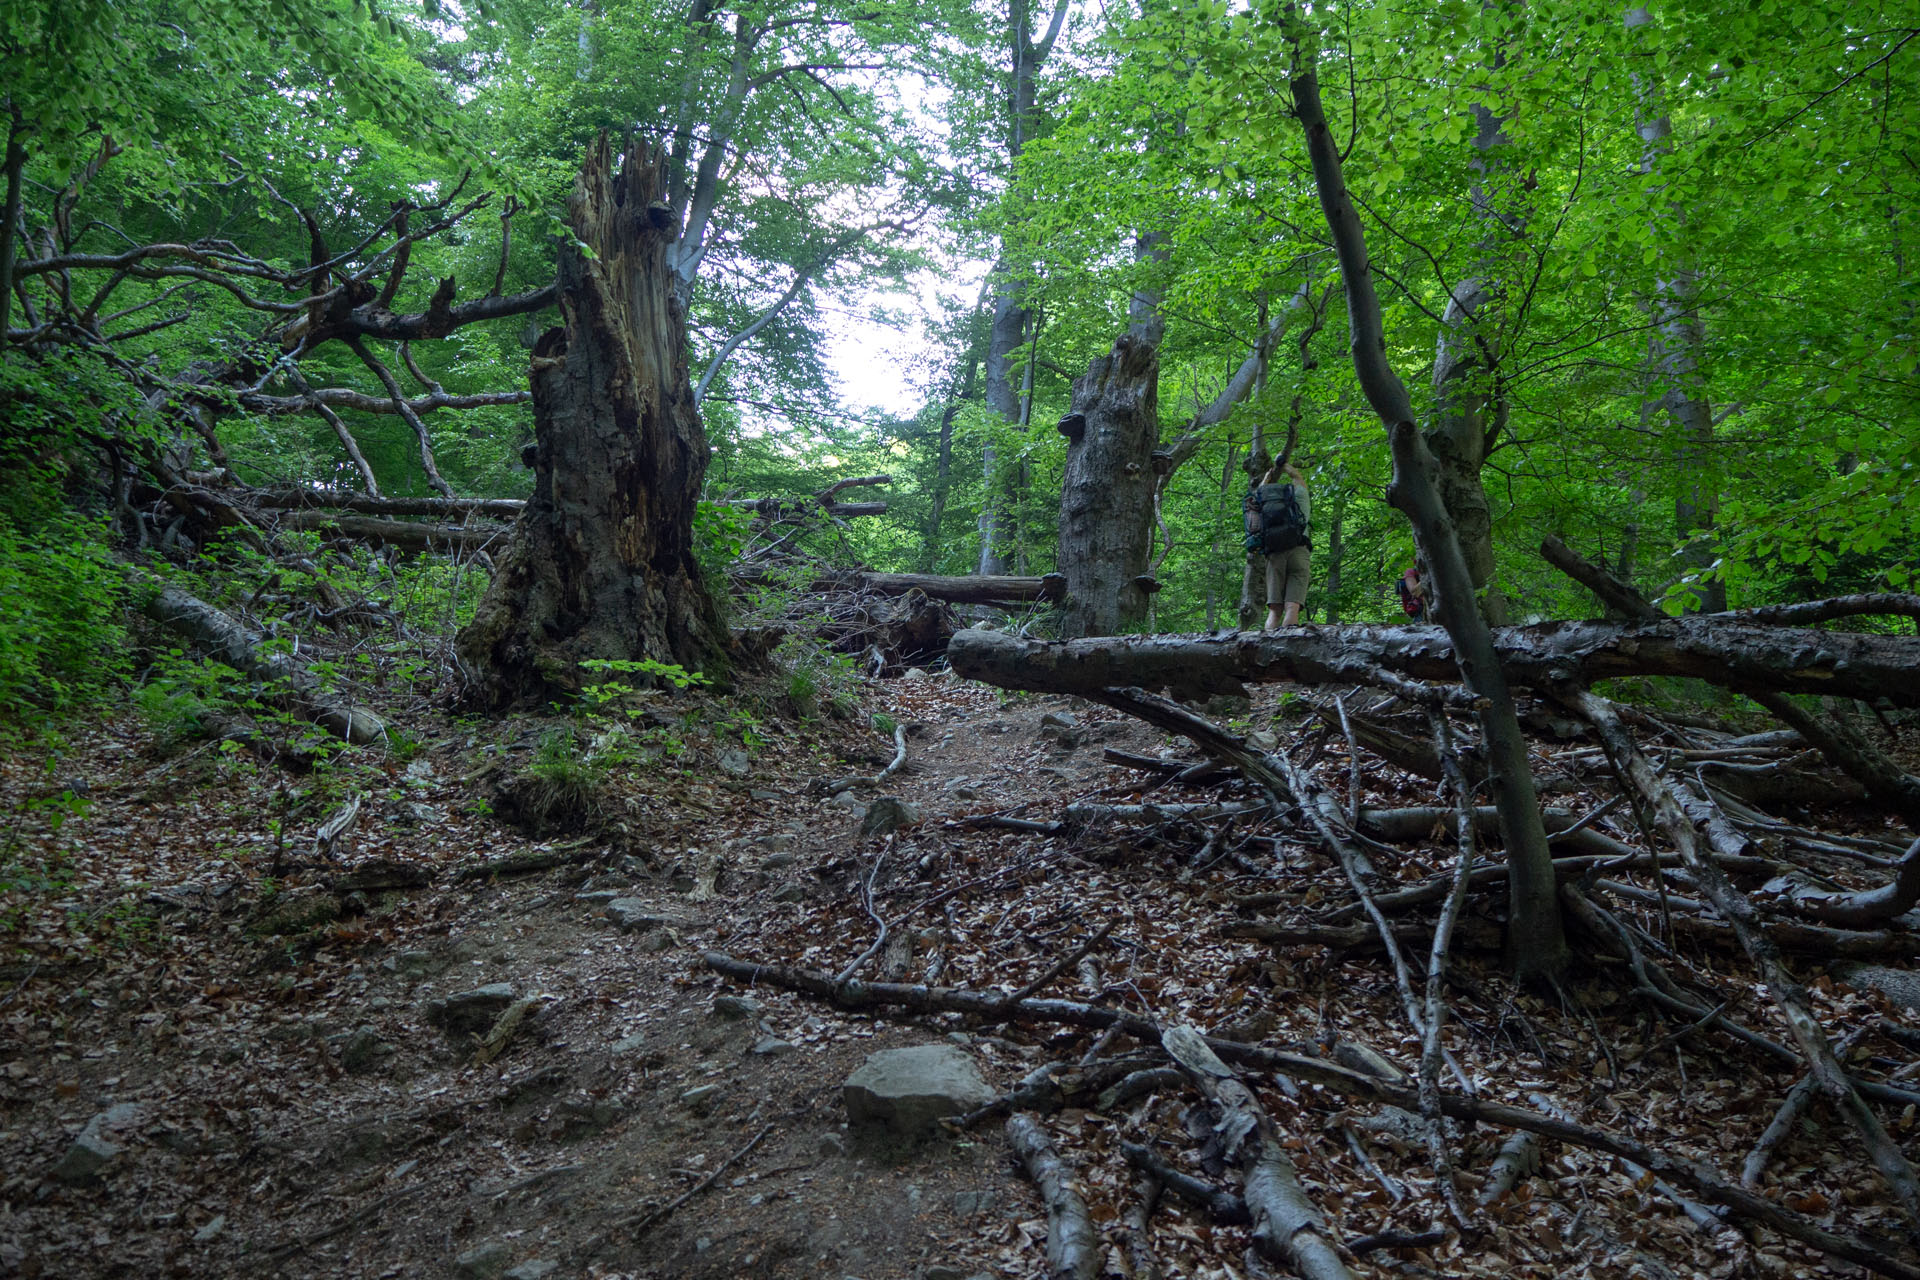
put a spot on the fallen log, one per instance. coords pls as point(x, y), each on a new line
point(239, 647)
point(976, 589)
point(1732, 655)
point(400, 534)
point(1073, 1246)
point(368, 504)
point(1702, 1180)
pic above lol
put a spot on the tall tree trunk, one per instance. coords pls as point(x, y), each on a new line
point(10, 218)
point(967, 387)
point(1106, 495)
point(1536, 942)
point(1335, 554)
point(601, 562)
point(1678, 343)
point(1011, 317)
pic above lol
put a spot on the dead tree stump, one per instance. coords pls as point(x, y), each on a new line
point(1106, 494)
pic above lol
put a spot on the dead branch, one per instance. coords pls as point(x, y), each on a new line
point(1222, 1205)
point(1073, 1247)
point(838, 785)
point(1792, 1107)
point(1700, 1179)
point(1867, 906)
point(1286, 1225)
point(1788, 995)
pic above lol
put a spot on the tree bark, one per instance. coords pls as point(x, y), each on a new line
point(1742, 658)
point(601, 563)
point(1536, 942)
point(972, 589)
point(16, 161)
point(1106, 493)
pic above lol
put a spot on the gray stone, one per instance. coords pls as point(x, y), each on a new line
point(777, 842)
point(914, 673)
point(848, 801)
point(211, 1232)
point(628, 1044)
point(413, 964)
point(1058, 720)
point(886, 814)
point(360, 1050)
point(1264, 740)
point(533, 1269)
point(744, 1007)
point(472, 1010)
point(485, 1261)
point(833, 1144)
point(87, 1159)
point(905, 1092)
point(426, 815)
point(792, 891)
point(968, 1203)
point(777, 859)
point(656, 940)
point(735, 763)
point(700, 1093)
point(635, 913)
point(772, 1047)
point(940, 1271)
point(761, 793)
point(598, 896)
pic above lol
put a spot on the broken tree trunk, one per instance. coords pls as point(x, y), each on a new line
point(1106, 493)
point(403, 535)
point(601, 563)
point(239, 647)
point(970, 590)
point(1742, 658)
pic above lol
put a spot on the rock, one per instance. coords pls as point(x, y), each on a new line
point(472, 1010)
point(968, 1203)
point(425, 815)
point(772, 1047)
point(360, 1049)
point(905, 1092)
point(833, 1144)
point(1228, 705)
point(657, 940)
point(598, 896)
point(887, 814)
point(792, 891)
point(1264, 740)
point(1058, 720)
point(635, 913)
point(484, 1262)
point(413, 964)
point(211, 1232)
point(914, 673)
point(735, 763)
point(848, 801)
point(776, 842)
point(700, 1093)
point(742, 1007)
point(628, 1044)
point(940, 1271)
point(95, 1149)
point(761, 793)
point(533, 1269)
point(780, 858)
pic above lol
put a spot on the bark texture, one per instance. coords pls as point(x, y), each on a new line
point(1106, 493)
point(601, 563)
point(1743, 658)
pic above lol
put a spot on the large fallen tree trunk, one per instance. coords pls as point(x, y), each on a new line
point(1740, 657)
point(234, 644)
point(988, 589)
point(371, 504)
point(405, 535)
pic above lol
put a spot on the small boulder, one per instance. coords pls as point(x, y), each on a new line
point(904, 1093)
point(744, 1008)
point(86, 1161)
point(533, 1269)
point(631, 914)
point(472, 1011)
point(887, 814)
point(735, 763)
point(772, 1046)
point(1058, 720)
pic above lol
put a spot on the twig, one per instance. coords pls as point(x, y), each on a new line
point(899, 758)
point(1061, 966)
point(1360, 1246)
point(866, 901)
point(641, 1222)
point(1353, 762)
point(1792, 1107)
point(1436, 1008)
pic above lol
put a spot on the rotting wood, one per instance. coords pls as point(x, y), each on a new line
point(238, 646)
point(1287, 1226)
point(1073, 1246)
point(1726, 654)
point(980, 589)
point(1700, 1179)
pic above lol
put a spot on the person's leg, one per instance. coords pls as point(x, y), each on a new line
point(1298, 567)
point(1276, 589)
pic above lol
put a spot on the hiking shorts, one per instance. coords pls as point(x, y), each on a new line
point(1287, 576)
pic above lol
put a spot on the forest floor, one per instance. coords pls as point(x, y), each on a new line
point(282, 1095)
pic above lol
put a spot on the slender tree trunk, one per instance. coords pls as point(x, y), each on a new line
point(1106, 495)
point(16, 161)
point(601, 562)
point(943, 464)
point(1678, 346)
point(1335, 555)
point(1536, 943)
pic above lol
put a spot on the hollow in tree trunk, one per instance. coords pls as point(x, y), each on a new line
point(601, 562)
point(1106, 494)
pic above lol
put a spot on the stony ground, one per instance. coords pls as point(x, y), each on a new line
point(366, 1065)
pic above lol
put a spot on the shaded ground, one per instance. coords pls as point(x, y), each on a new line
point(299, 1112)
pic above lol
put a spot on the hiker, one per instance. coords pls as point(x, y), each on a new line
point(1414, 601)
point(1277, 515)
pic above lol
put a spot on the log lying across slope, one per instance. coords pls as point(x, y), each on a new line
point(972, 589)
point(1733, 655)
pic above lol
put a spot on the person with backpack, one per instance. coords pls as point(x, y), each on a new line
point(1413, 594)
point(1277, 515)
